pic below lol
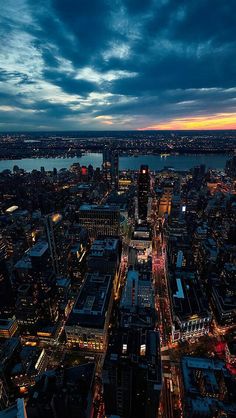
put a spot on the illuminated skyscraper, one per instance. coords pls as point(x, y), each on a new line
point(143, 192)
point(111, 166)
point(100, 220)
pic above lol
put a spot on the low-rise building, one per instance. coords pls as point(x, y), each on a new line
point(207, 388)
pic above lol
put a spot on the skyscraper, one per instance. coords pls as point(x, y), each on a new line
point(143, 192)
point(55, 238)
point(132, 376)
point(100, 219)
point(111, 166)
point(5, 283)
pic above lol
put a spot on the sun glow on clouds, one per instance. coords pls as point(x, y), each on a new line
point(217, 121)
point(14, 108)
point(105, 119)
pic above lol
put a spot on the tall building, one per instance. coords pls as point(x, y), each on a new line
point(4, 398)
point(110, 166)
point(5, 283)
point(104, 256)
point(36, 287)
point(137, 307)
point(100, 219)
point(55, 238)
point(190, 315)
point(138, 291)
point(132, 375)
point(63, 393)
point(15, 411)
point(230, 167)
point(143, 192)
point(8, 328)
point(87, 325)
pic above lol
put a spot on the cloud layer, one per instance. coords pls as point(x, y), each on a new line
point(121, 64)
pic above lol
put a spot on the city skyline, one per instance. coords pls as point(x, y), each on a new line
point(117, 65)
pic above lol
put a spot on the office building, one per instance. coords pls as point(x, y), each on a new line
point(104, 256)
point(8, 328)
point(88, 322)
point(137, 307)
point(138, 291)
point(143, 192)
point(132, 375)
point(230, 352)
point(6, 296)
point(9, 354)
point(230, 167)
point(27, 309)
point(141, 241)
point(110, 167)
point(190, 313)
point(63, 393)
point(4, 396)
point(100, 220)
point(56, 241)
point(77, 263)
point(63, 291)
point(36, 288)
point(32, 361)
point(223, 295)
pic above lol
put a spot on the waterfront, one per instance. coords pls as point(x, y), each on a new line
point(155, 162)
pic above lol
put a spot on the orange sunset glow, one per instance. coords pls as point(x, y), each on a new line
point(217, 121)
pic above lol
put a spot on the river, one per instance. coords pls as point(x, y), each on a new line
point(155, 162)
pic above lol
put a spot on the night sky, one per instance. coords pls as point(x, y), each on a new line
point(117, 64)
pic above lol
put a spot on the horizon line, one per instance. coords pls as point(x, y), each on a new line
point(118, 130)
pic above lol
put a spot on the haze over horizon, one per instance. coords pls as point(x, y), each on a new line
point(117, 65)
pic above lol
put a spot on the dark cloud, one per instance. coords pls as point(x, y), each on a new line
point(68, 84)
point(142, 60)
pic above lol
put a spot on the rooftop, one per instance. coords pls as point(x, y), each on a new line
point(100, 247)
point(140, 347)
point(187, 296)
point(11, 209)
point(203, 379)
point(63, 282)
point(6, 323)
point(38, 249)
point(93, 300)
point(87, 207)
